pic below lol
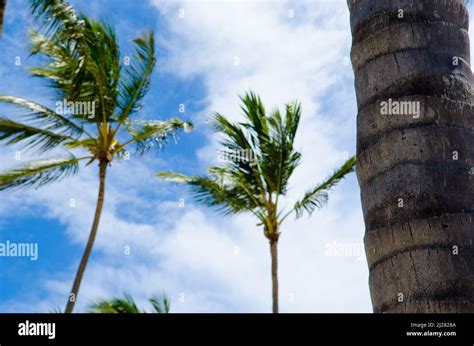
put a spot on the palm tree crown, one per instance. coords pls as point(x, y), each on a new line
point(100, 95)
point(256, 182)
point(86, 70)
point(262, 159)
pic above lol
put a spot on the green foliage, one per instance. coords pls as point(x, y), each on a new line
point(127, 305)
point(147, 134)
point(83, 65)
point(318, 196)
point(254, 182)
point(136, 80)
point(12, 132)
point(40, 172)
point(43, 116)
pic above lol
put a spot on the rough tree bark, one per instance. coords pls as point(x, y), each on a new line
point(416, 171)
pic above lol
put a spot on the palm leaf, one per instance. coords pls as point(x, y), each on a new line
point(318, 196)
point(102, 60)
point(237, 141)
point(214, 192)
point(135, 83)
point(40, 172)
point(127, 305)
point(12, 132)
point(279, 158)
point(59, 20)
point(124, 305)
point(160, 305)
point(44, 115)
point(154, 133)
point(85, 68)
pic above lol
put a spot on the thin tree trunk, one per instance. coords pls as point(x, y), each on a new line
point(3, 4)
point(90, 243)
point(274, 255)
point(415, 169)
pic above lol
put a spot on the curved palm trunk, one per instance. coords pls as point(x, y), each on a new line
point(3, 4)
point(90, 243)
point(414, 169)
point(274, 255)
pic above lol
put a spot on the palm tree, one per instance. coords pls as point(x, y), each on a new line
point(102, 97)
point(415, 167)
point(262, 159)
point(127, 305)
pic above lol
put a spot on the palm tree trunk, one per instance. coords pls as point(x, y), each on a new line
point(414, 169)
point(3, 4)
point(90, 243)
point(274, 255)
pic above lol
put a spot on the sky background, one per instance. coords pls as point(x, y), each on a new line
point(203, 261)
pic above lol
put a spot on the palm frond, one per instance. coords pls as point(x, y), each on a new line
point(40, 172)
point(318, 196)
point(135, 83)
point(238, 143)
point(116, 305)
point(127, 305)
point(279, 157)
point(65, 68)
point(83, 69)
point(59, 19)
point(213, 192)
point(160, 305)
point(154, 133)
point(29, 137)
point(103, 68)
point(43, 115)
point(176, 178)
point(254, 111)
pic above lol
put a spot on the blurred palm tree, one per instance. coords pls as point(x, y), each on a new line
point(100, 95)
point(261, 158)
point(126, 305)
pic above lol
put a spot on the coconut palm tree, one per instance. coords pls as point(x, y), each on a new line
point(261, 159)
point(101, 97)
point(415, 152)
point(126, 305)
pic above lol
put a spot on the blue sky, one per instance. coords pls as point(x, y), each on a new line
point(204, 261)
